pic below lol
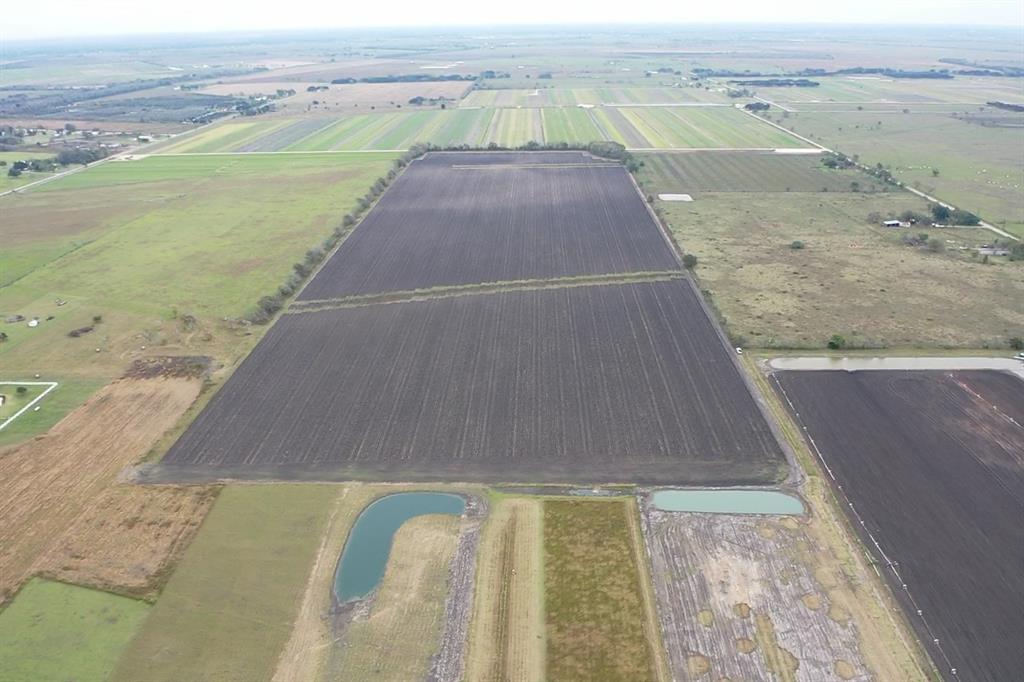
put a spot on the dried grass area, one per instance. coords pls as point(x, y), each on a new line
point(64, 513)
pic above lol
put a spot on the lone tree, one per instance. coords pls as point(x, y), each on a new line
point(1016, 343)
point(689, 261)
point(940, 213)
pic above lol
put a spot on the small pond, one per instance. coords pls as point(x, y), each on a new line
point(727, 501)
point(365, 557)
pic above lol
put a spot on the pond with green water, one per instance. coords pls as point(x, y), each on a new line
point(727, 501)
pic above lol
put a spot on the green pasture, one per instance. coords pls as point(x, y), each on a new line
point(228, 610)
point(850, 277)
point(150, 244)
point(71, 392)
point(980, 167)
point(54, 631)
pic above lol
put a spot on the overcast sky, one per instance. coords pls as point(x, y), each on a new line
point(61, 18)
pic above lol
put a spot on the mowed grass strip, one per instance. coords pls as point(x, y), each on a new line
point(594, 604)
point(742, 171)
point(53, 631)
point(506, 637)
point(713, 127)
point(228, 610)
point(569, 125)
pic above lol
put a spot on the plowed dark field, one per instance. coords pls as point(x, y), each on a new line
point(933, 463)
point(583, 384)
point(468, 218)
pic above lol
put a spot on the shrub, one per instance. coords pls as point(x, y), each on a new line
point(21, 390)
point(1016, 343)
point(836, 342)
point(797, 245)
point(689, 261)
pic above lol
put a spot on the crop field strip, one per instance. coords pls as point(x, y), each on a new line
point(745, 171)
point(636, 125)
point(946, 448)
point(599, 383)
point(595, 611)
point(442, 224)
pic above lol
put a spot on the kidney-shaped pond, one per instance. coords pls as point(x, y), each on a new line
point(365, 557)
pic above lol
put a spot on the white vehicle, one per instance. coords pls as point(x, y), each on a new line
point(1019, 356)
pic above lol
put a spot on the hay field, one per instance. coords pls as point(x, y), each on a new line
point(64, 512)
point(594, 607)
point(507, 630)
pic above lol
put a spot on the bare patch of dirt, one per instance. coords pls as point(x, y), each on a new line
point(167, 366)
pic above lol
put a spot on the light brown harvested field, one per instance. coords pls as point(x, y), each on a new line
point(745, 596)
point(396, 639)
point(67, 478)
point(128, 539)
point(507, 632)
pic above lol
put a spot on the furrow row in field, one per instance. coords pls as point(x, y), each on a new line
point(603, 383)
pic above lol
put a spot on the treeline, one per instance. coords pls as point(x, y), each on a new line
point(25, 102)
point(779, 83)
point(406, 78)
point(980, 69)
point(65, 157)
point(270, 305)
point(1006, 105)
point(701, 72)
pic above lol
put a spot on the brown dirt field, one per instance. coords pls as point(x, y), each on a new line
point(55, 492)
point(855, 591)
point(506, 640)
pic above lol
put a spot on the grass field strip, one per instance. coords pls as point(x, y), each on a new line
point(843, 498)
point(786, 130)
point(50, 384)
point(315, 305)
